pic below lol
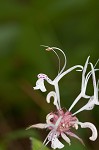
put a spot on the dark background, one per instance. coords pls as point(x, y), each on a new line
point(73, 26)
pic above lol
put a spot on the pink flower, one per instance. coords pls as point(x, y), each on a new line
point(61, 123)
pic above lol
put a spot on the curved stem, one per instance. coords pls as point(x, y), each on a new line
point(58, 60)
point(53, 49)
point(64, 59)
point(66, 72)
point(94, 79)
point(84, 72)
point(57, 94)
point(88, 76)
point(96, 63)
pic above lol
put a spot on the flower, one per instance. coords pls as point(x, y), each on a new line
point(40, 83)
point(61, 122)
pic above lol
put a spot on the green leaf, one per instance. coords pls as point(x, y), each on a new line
point(18, 134)
point(21, 134)
point(36, 144)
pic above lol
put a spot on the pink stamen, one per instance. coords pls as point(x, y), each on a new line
point(67, 121)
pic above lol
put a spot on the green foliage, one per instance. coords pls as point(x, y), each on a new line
point(16, 135)
point(36, 144)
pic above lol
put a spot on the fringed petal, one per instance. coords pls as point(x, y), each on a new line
point(52, 137)
point(55, 143)
point(39, 125)
point(92, 127)
point(65, 138)
point(40, 85)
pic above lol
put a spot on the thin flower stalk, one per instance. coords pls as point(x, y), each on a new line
point(41, 77)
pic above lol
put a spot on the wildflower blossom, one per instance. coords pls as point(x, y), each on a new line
point(61, 122)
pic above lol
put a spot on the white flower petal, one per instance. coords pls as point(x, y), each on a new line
point(89, 106)
point(55, 143)
point(75, 136)
point(40, 85)
point(51, 134)
point(48, 137)
point(92, 127)
point(39, 125)
point(48, 118)
point(65, 138)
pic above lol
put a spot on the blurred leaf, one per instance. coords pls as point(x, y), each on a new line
point(75, 146)
point(36, 144)
point(20, 134)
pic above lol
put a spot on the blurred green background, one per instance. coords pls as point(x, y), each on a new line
point(73, 26)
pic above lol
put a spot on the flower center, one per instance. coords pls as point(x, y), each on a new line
point(66, 122)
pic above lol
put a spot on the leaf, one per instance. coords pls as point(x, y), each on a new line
point(16, 135)
point(21, 134)
point(37, 145)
